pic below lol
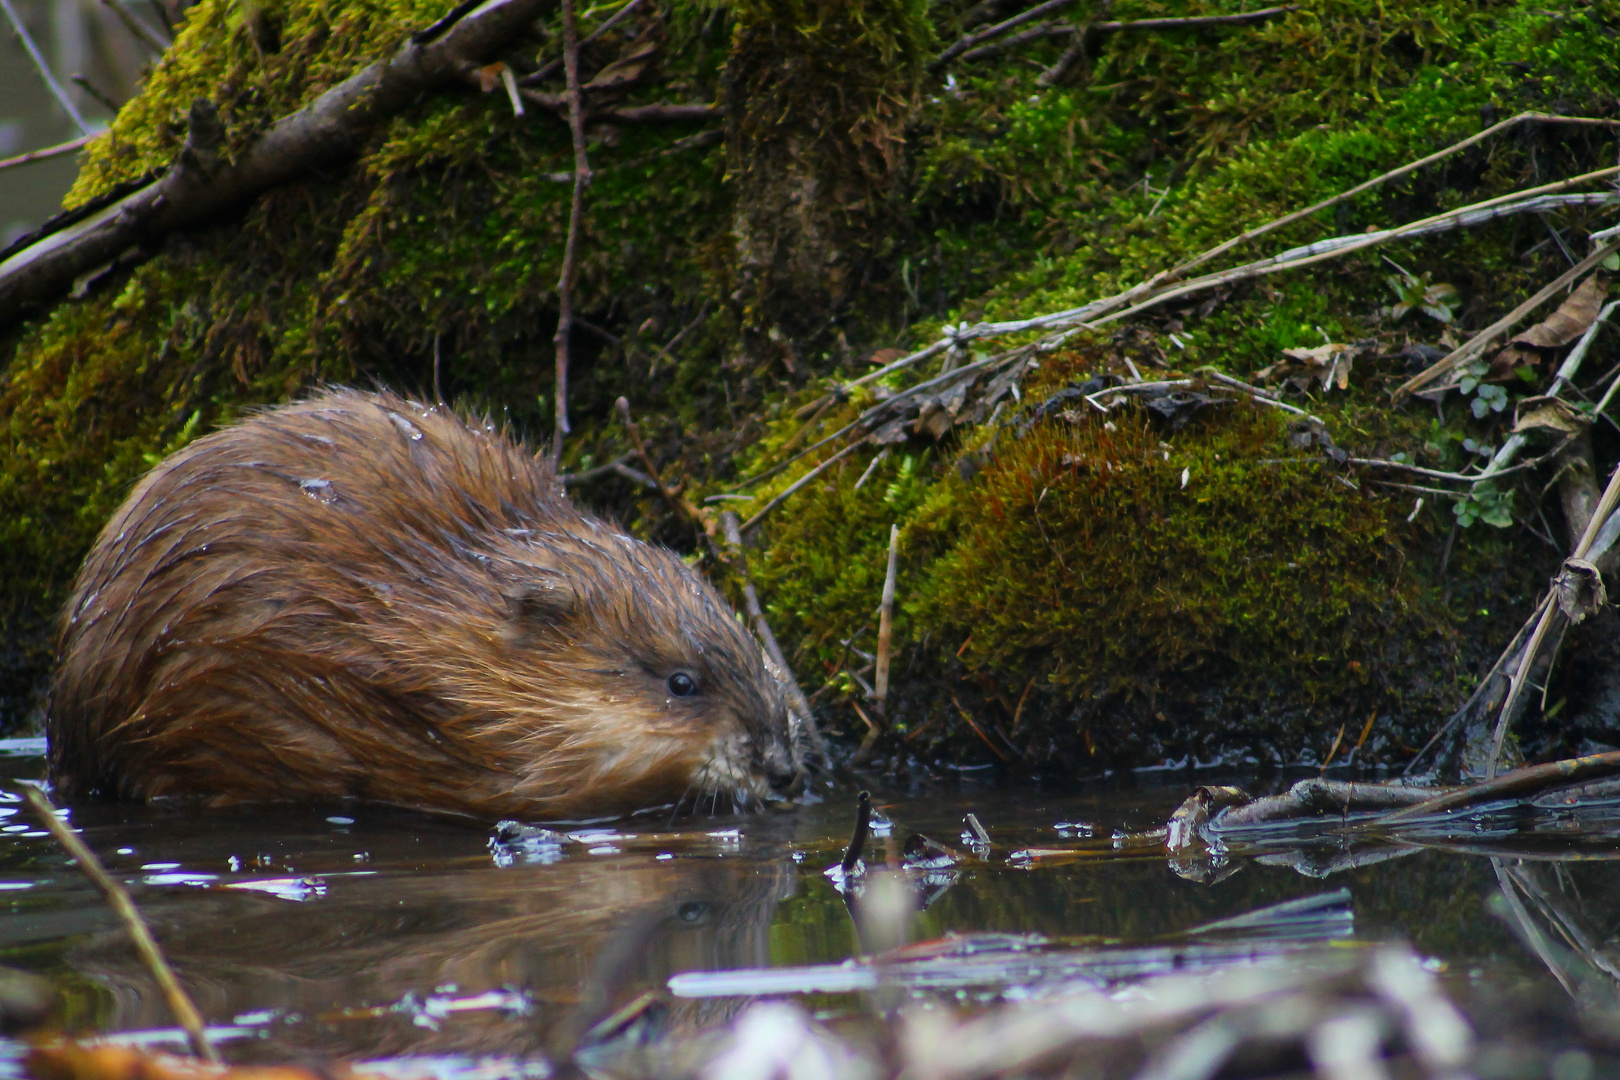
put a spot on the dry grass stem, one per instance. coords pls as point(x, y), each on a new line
point(185, 1012)
point(880, 680)
point(576, 213)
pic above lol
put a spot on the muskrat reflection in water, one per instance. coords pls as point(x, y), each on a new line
point(358, 595)
point(574, 940)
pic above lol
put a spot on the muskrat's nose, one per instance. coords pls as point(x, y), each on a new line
point(780, 774)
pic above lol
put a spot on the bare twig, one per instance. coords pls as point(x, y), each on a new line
point(44, 69)
point(676, 501)
point(967, 41)
point(1194, 22)
point(1480, 341)
point(47, 153)
point(535, 78)
point(193, 190)
point(604, 469)
point(576, 212)
point(1338, 247)
point(147, 36)
point(1532, 780)
point(880, 680)
point(1084, 34)
point(739, 566)
point(1274, 224)
point(185, 1012)
point(1107, 309)
point(1262, 396)
point(793, 488)
point(631, 114)
point(1566, 373)
point(1549, 610)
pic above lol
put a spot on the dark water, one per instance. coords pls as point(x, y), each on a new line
point(364, 933)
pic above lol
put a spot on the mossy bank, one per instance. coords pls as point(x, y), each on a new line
point(1078, 590)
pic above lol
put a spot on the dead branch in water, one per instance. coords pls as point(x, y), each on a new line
point(200, 185)
point(576, 212)
point(185, 1012)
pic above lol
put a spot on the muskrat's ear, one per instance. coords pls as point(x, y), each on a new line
point(538, 605)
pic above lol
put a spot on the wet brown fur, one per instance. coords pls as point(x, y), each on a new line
point(357, 595)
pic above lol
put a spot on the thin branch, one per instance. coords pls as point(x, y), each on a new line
point(1222, 248)
point(1078, 317)
point(47, 153)
point(44, 69)
point(1084, 32)
point(1084, 35)
point(576, 212)
point(866, 418)
point(147, 36)
point(631, 114)
point(1034, 33)
point(1531, 780)
point(1339, 246)
point(1566, 373)
point(195, 190)
point(185, 1012)
point(793, 488)
point(676, 503)
point(732, 533)
point(535, 78)
point(1605, 507)
point(967, 41)
point(1480, 341)
point(1193, 22)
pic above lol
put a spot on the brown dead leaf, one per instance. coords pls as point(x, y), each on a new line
point(1328, 365)
point(1571, 319)
point(1569, 322)
point(627, 68)
point(1547, 414)
point(886, 356)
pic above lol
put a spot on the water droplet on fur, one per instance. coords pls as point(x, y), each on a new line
point(321, 491)
point(408, 429)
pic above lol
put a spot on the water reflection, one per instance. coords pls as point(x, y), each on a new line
point(352, 931)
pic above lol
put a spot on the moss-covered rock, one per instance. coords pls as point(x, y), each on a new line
point(1065, 597)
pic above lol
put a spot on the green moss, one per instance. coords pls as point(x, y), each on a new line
point(854, 200)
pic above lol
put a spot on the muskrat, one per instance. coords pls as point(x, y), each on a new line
point(361, 596)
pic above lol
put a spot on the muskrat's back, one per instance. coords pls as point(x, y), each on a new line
point(358, 595)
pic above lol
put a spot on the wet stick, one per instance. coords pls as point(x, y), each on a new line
point(576, 211)
point(185, 1013)
point(880, 680)
point(857, 840)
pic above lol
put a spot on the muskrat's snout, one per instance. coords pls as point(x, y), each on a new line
point(781, 772)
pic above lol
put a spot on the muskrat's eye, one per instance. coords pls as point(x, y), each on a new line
point(682, 685)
